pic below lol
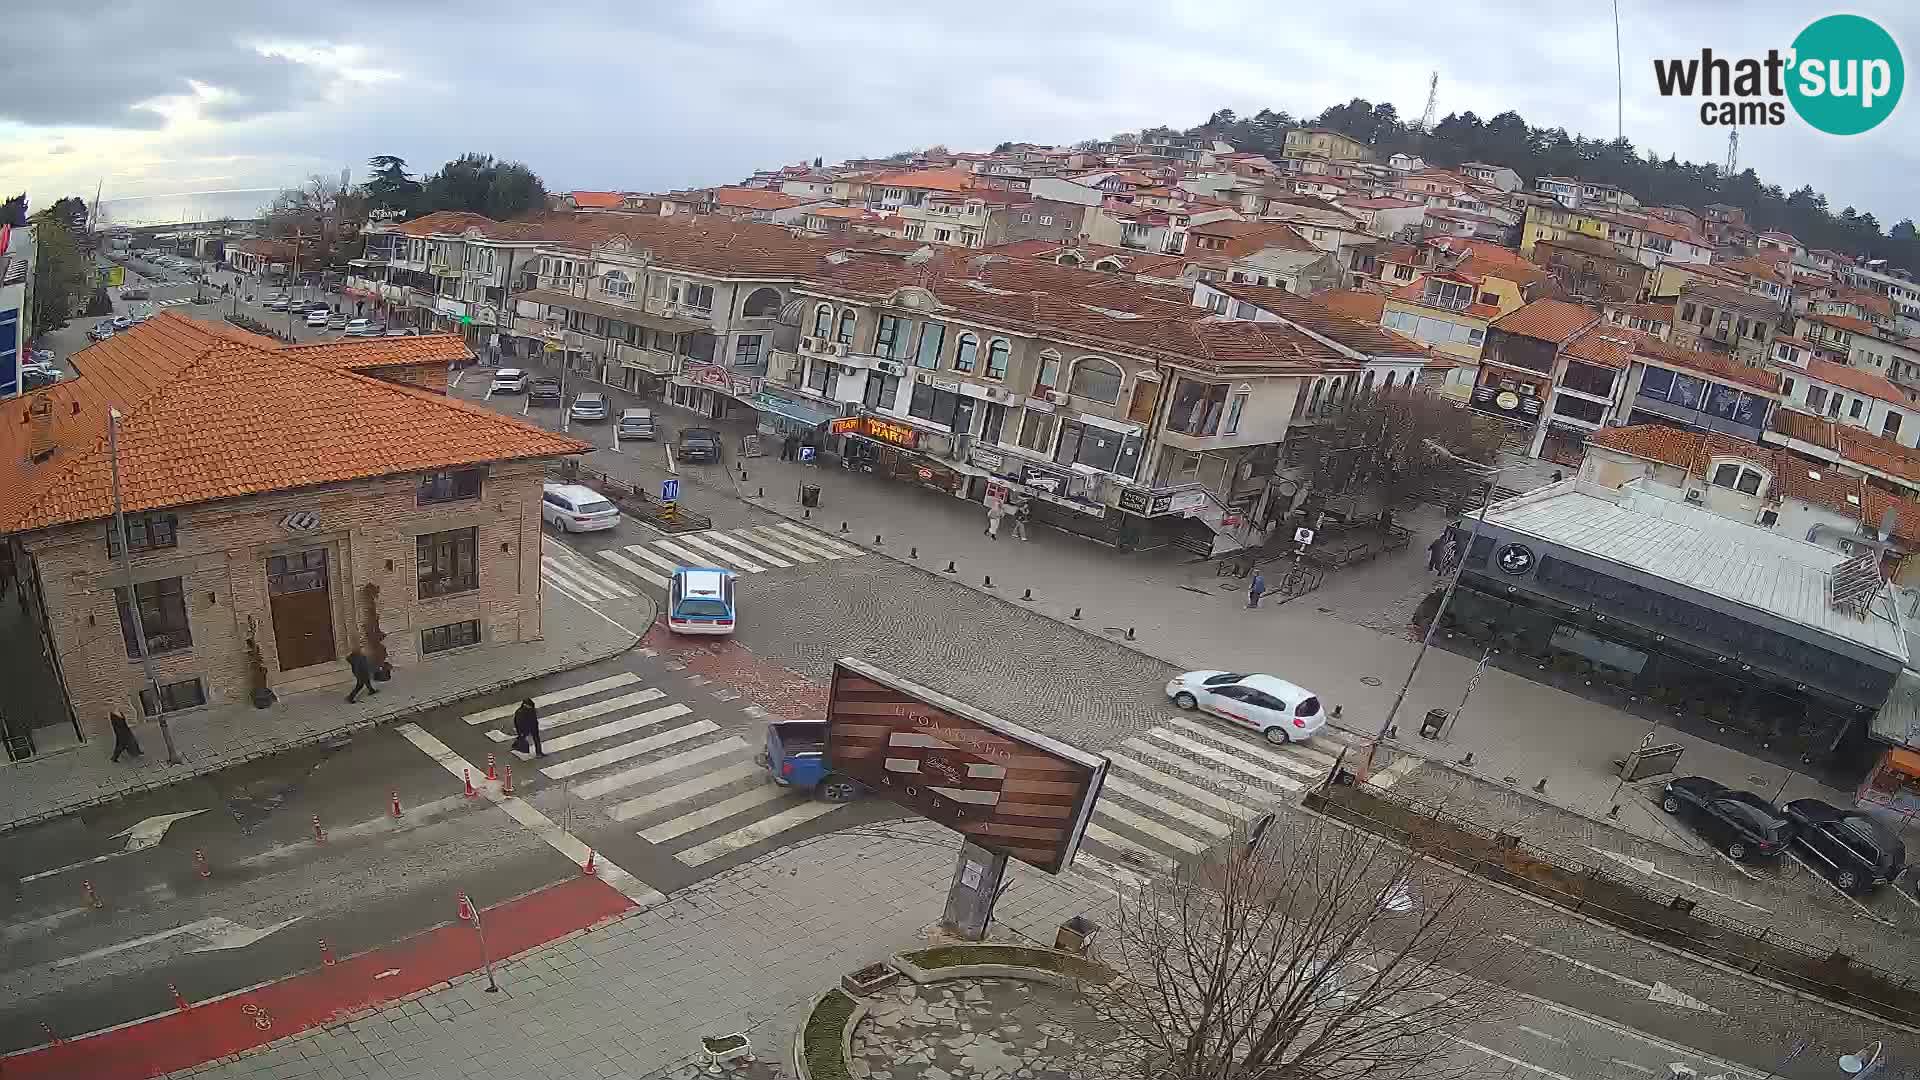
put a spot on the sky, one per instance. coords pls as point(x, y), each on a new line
point(209, 95)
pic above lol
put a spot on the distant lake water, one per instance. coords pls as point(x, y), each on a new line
point(188, 206)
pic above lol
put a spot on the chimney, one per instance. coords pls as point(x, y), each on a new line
point(40, 429)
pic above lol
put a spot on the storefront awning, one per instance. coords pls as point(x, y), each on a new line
point(633, 315)
point(793, 410)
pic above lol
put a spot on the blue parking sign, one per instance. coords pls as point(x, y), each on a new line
point(806, 455)
point(669, 490)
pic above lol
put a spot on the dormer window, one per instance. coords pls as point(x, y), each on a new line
point(1739, 476)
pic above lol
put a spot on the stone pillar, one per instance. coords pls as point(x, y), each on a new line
point(976, 885)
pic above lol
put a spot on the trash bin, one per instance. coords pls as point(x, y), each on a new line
point(1431, 724)
point(1076, 935)
point(810, 495)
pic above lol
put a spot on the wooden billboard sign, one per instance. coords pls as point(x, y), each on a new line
point(1006, 788)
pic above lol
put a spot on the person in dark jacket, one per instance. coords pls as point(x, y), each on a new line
point(123, 740)
point(362, 674)
point(526, 727)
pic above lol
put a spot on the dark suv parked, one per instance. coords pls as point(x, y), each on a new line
point(544, 391)
point(699, 444)
point(1856, 852)
point(1740, 823)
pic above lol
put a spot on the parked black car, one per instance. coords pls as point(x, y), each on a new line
point(544, 391)
point(1856, 852)
point(699, 444)
point(1742, 824)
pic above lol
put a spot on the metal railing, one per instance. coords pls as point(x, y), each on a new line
point(1587, 889)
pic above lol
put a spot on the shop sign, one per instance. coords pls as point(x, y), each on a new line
point(990, 460)
point(1515, 559)
point(1186, 502)
point(447, 305)
point(925, 474)
point(845, 425)
point(951, 386)
point(1136, 501)
point(708, 375)
point(874, 427)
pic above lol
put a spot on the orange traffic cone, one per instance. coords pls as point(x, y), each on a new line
point(491, 774)
point(588, 869)
point(468, 773)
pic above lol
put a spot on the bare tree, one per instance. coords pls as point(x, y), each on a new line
point(1373, 444)
point(1320, 955)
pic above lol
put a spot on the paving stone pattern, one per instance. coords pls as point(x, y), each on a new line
point(216, 738)
point(976, 1029)
point(743, 951)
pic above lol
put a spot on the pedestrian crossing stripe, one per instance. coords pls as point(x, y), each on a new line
point(583, 578)
point(600, 759)
point(748, 835)
point(723, 538)
point(791, 551)
point(751, 550)
point(728, 559)
point(634, 568)
point(611, 682)
point(588, 712)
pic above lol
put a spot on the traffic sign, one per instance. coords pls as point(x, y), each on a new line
point(1303, 536)
point(670, 490)
point(806, 455)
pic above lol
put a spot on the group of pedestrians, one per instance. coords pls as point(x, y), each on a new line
point(999, 509)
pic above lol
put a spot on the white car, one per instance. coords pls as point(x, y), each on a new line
point(1279, 710)
point(317, 317)
point(509, 380)
point(363, 328)
point(577, 508)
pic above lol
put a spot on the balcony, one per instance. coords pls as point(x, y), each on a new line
point(657, 361)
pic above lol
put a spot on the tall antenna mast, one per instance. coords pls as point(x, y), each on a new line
point(1433, 100)
point(1619, 81)
point(1733, 152)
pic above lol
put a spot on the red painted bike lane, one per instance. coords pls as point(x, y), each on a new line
point(243, 1021)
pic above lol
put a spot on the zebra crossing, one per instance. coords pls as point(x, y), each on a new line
point(173, 303)
point(652, 764)
point(615, 573)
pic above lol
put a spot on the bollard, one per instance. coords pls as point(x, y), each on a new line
point(1541, 787)
point(806, 515)
point(843, 527)
point(395, 808)
point(93, 898)
point(52, 1036)
point(319, 834)
point(587, 869)
point(326, 953)
point(1076, 615)
point(1336, 711)
point(743, 473)
point(762, 495)
point(507, 788)
point(989, 581)
point(1468, 760)
point(1130, 636)
point(1026, 594)
point(913, 553)
point(1393, 732)
point(876, 539)
point(179, 999)
point(468, 774)
point(492, 773)
point(1613, 812)
point(200, 864)
point(949, 566)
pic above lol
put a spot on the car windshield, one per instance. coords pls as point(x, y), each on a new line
point(1223, 678)
point(702, 607)
point(598, 506)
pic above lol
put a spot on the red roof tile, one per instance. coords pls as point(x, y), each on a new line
point(1547, 320)
point(926, 179)
point(1858, 380)
point(754, 199)
point(597, 200)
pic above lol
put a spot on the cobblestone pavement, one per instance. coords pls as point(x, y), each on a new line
point(216, 738)
point(740, 952)
point(975, 1029)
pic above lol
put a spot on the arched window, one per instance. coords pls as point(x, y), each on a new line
point(1096, 379)
point(845, 336)
point(1313, 405)
point(761, 304)
point(1068, 258)
point(823, 321)
point(997, 352)
point(1366, 385)
point(967, 353)
point(1388, 385)
point(1048, 377)
point(1111, 266)
point(615, 283)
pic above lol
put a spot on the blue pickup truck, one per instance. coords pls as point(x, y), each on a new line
point(796, 757)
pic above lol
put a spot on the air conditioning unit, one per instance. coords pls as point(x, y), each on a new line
point(839, 348)
point(995, 393)
point(1058, 397)
point(891, 367)
point(1694, 495)
point(922, 377)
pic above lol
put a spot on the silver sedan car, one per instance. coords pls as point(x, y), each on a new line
point(589, 406)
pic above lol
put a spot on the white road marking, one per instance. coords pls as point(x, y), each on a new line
point(571, 592)
point(1623, 1063)
point(1279, 761)
point(140, 836)
point(726, 557)
point(693, 558)
point(1101, 868)
point(239, 937)
point(1735, 863)
point(387, 974)
point(1179, 811)
point(1156, 861)
point(686, 789)
point(1527, 1065)
point(1148, 827)
point(612, 728)
point(554, 573)
point(776, 542)
point(1658, 992)
point(1225, 785)
point(1172, 783)
point(719, 811)
point(541, 825)
point(1903, 894)
point(501, 712)
point(587, 762)
point(789, 818)
point(220, 933)
point(1396, 772)
point(815, 541)
point(593, 789)
point(1285, 783)
point(634, 568)
point(754, 552)
point(1647, 868)
point(586, 577)
point(586, 712)
point(1844, 894)
point(642, 551)
point(1538, 1034)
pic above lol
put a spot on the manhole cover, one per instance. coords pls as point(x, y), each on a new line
point(1370, 680)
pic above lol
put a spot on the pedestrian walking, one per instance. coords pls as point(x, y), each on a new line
point(790, 448)
point(1255, 589)
point(123, 740)
point(1020, 515)
point(362, 674)
point(1436, 554)
point(526, 728)
point(995, 511)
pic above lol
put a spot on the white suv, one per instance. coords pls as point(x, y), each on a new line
point(577, 508)
point(509, 380)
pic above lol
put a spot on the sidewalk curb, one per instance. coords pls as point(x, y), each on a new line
point(281, 746)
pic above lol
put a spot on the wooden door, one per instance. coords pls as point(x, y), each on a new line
point(302, 607)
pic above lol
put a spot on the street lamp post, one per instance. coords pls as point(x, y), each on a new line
point(133, 599)
point(1492, 474)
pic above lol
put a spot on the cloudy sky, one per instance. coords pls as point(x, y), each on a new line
point(205, 95)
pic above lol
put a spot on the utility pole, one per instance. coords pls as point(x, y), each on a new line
point(126, 574)
point(293, 282)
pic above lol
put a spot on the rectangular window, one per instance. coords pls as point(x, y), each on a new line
point(451, 486)
point(933, 339)
point(1196, 407)
point(888, 337)
point(163, 616)
point(447, 562)
point(935, 406)
point(817, 376)
point(746, 350)
point(699, 297)
point(186, 694)
point(1892, 425)
point(1036, 431)
point(1853, 411)
point(1097, 448)
point(1236, 405)
point(881, 390)
point(1817, 398)
point(145, 532)
point(451, 636)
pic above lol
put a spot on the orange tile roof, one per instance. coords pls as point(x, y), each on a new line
point(1365, 336)
point(926, 179)
point(1720, 367)
point(209, 417)
point(741, 198)
point(1606, 345)
point(1655, 442)
point(1547, 320)
point(1858, 380)
point(1353, 303)
point(1842, 322)
point(361, 354)
point(597, 200)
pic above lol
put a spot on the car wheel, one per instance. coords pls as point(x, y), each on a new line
point(1276, 736)
point(836, 789)
point(1847, 880)
point(1670, 804)
point(1186, 701)
point(1736, 851)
